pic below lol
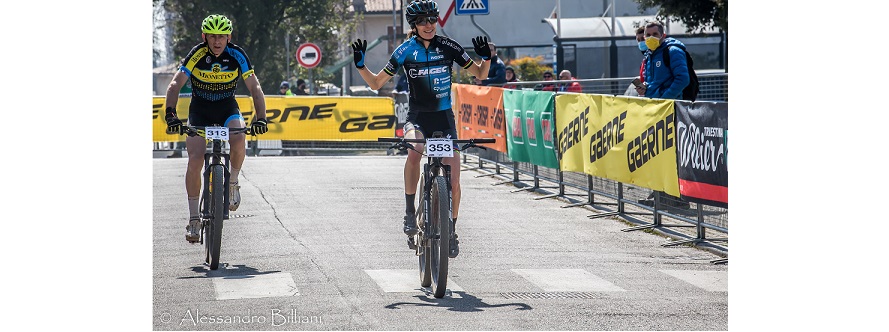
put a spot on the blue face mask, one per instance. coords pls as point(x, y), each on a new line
point(642, 46)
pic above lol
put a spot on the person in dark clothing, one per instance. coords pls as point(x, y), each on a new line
point(497, 72)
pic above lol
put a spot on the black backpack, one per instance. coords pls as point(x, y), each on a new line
point(694, 87)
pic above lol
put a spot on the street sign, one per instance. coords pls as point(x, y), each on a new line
point(472, 7)
point(308, 55)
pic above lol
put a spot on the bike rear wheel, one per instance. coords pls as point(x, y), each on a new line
point(440, 224)
point(213, 237)
point(425, 267)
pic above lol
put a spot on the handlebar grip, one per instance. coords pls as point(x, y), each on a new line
point(484, 140)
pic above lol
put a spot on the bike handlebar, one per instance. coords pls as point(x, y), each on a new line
point(402, 143)
point(423, 140)
point(193, 130)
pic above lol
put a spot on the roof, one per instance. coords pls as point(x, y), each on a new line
point(376, 6)
point(601, 26)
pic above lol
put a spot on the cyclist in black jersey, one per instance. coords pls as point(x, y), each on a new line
point(427, 59)
point(213, 67)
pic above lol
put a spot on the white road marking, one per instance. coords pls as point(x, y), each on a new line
point(714, 281)
point(402, 281)
point(255, 286)
point(567, 280)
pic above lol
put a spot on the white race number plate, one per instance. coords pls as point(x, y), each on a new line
point(439, 147)
point(220, 133)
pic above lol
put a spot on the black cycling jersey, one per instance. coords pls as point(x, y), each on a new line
point(213, 83)
point(215, 78)
point(428, 71)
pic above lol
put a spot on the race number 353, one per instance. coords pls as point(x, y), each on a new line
point(439, 147)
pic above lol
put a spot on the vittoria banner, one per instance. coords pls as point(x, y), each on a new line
point(702, 132)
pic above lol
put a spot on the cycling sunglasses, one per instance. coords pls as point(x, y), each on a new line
point(427, 20)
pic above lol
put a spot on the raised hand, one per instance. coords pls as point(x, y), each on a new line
point(480, 44)
point(359, 48)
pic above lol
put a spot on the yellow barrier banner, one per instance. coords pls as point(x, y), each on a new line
point(633, 140)
point(159, 124)
point(317, 118)
point(573, 113)
point(479, 114)
point(311, 118)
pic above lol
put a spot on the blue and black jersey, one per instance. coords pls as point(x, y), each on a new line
point(215, 78)
point(428, 71)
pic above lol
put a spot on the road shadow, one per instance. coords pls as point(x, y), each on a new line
point(226, 271)
point(465, 303)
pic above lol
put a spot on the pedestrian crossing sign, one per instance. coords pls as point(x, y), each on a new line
point(472, 7)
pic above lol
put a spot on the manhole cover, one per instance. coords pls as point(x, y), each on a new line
point(549, 295)
point(377, 188)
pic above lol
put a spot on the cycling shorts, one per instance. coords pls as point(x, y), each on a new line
point(214, 113)
point(430, 122)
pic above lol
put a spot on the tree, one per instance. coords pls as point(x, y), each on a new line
point(260, 28)
point(530, 69)
point(696, 14)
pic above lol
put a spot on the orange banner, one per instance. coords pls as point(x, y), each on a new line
point(479, 112)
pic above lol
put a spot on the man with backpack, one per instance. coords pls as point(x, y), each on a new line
point(668, 71)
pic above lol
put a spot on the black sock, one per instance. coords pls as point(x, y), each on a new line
point(409, 202)
point(454, 222)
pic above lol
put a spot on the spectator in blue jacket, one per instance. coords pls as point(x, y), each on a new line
point(660, 81)
point(497, 71)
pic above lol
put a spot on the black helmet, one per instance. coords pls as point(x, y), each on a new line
point(420, 8)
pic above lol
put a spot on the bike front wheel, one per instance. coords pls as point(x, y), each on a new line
point(213, 238)
point(440, 226)
point(425, 266)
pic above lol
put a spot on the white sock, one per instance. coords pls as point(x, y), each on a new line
point(233, 179)
point(193, 209)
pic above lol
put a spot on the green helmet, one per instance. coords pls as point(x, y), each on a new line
point(217, 24)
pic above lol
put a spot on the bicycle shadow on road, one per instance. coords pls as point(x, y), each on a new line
point(465, 303)
point(226, 271)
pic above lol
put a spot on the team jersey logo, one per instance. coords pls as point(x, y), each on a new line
point(216, 74)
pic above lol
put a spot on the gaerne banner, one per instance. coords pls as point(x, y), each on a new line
point(633, 140)
point(306, 118)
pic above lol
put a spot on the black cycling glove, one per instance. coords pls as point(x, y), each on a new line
point(174, 125)
point(359, 48)
point(482, 48)
point(259, 127)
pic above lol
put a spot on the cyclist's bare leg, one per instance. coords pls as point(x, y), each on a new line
point(454, 162)
point(196, 147)
point(237, 148)
point(412, 164)
point(237, 152)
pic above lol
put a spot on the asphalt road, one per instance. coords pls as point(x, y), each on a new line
point(317, 245)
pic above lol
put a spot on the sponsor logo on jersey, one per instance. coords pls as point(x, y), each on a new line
point(437, 57)
point(422, 72)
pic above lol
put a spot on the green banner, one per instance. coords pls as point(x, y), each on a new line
point(529, 125)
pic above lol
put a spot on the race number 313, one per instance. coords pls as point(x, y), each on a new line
point(220, 133)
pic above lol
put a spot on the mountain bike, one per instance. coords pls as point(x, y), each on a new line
point(215, 194)
point(431, 243)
